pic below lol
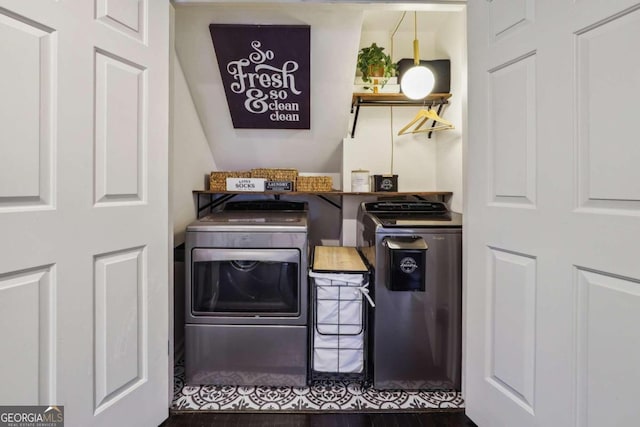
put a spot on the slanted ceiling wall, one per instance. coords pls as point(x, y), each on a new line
point(335, 33)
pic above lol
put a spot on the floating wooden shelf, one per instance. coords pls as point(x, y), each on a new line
point(394, 100)
point(365, 98)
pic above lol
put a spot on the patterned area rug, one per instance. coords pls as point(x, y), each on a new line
point(320, 396)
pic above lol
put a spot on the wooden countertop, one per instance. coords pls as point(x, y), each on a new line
point(339, 259)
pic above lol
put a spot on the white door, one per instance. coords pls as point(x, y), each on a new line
point(553, 213)
point(83, 208)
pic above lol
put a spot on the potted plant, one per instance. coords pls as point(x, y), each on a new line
point(373, 62)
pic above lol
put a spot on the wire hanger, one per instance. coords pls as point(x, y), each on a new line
point(423, 117)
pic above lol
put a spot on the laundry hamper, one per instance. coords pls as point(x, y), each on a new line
point(339, 290)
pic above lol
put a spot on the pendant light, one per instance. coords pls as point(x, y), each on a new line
point(417, 82)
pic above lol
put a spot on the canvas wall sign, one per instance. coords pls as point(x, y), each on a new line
point(265, 73)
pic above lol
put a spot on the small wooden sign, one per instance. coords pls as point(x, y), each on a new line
point(265, 73)
point(278, 186)
point(245, 184)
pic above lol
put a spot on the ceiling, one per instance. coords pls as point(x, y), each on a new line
point(387, 20)
point(379, 15)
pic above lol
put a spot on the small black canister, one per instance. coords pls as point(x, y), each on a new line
point(407, 263)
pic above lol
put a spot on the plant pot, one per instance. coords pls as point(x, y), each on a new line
point(376, 70)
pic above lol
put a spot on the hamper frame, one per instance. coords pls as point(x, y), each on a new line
point(364, 375)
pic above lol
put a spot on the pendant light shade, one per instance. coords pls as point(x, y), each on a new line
point(418, 81)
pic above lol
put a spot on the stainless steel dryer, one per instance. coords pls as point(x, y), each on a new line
point(246, 296)
point(415, 248)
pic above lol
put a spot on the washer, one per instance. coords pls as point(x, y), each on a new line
point(415, 248)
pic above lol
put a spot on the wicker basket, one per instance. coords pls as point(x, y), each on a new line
point(314, 183)
point(218, 179)
point(275, 174)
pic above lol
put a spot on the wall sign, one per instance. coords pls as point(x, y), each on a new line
point(265, 73)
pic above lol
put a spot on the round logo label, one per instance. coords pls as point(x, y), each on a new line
point(386, 184)
point(408, 265)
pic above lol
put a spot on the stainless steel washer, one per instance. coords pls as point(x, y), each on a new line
point(246, 298)
point(415, 248)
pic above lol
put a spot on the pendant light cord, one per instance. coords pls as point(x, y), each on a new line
point(396, 30)
point(391, 114)
point(391, 108)
point(416, 45)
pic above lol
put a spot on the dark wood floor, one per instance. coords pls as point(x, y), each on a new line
point(404, 419)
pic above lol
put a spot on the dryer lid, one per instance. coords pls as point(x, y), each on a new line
point(249, 221)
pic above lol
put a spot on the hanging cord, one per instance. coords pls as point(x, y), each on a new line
point(416, 45)
point(396, 30)
point(391, 130)
point(391, 108)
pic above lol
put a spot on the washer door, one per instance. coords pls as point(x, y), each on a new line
point(245, 282)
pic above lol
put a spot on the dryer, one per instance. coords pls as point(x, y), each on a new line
point(246, 297)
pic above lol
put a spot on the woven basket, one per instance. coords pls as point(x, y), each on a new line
point(314, 183)
point(218, 179)
point(275, 174)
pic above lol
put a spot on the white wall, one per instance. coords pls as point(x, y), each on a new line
point(191, 156)
point(452, 43)
point(335, 32)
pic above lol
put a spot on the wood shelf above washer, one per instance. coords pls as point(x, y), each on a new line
point(216, 198)
point(332, 193)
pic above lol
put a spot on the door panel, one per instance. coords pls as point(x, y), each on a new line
point(549, 309)
point(607, 180)
point(512, 132)
point(121, 146)
point(125, 16)
point(84, 265)
point(605, 382)
point(28, 74)
point(512, 331)
point(510, 15)
point(28, 295)
point(121, 324)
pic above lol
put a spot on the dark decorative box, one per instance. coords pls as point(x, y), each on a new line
point(278, 186)
point(385, 182)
